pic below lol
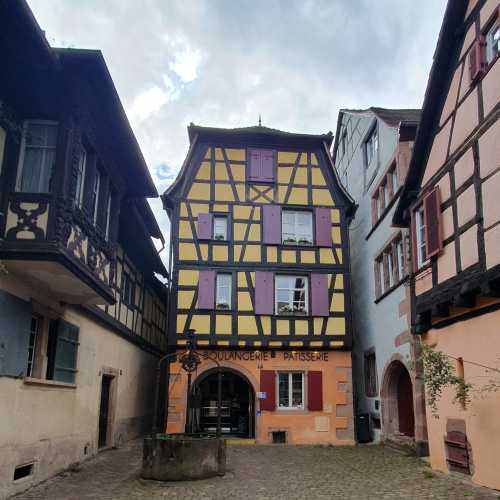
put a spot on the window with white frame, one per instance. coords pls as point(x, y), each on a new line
point(291, 295)
point(296, 227)
point(37, 158)
point(220, 227)
point(80, 178)
point(371, 146)
point(390, 267)
point(95, 195)
point(420, 236)
point(223, 291)
point(291, 390)
point(34, 334)
point(400, 258)
point(493, 42)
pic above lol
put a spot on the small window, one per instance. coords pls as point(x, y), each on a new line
point(80, 178)
point(291, 390)
point(370, 372)
point(400, 258)
point(128, 290)
point(38, 156)
point(371, 147)
point(291, 295)
point(296, 227)
point(34, 335)
point(223, 292)
point(220, 228)
point(390, 268)
point(379, 269)
point(95, 195)
point(22, 471)
point(420, 236)
point(394, 179)
point(493, 42)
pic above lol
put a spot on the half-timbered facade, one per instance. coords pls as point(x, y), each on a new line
point(82, 311)
point(450, 201)
point(261, 275)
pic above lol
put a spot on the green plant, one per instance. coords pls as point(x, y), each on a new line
point(438, 374)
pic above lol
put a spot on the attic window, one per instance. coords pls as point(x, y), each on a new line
point(371, 147)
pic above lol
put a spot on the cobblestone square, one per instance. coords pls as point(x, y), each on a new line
point(265, 472)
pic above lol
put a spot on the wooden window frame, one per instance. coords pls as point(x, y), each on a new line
point(295, 212)
point(218, 216)
point(22, 154)
point(216, 284)
point(493, 21)
point(387, 262)
point(306, 311)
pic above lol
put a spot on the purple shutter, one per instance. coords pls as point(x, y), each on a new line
point(206, 290)
point(255, 172)
point(264, 296)
point(268, 386)
point(315, 391)
point(323, 218)
point(267, 165)
point(319, 295)
point(204, 228)
point(271, 215)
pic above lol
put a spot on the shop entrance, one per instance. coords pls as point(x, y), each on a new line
point(237, 404)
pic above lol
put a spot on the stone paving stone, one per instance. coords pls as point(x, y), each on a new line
point(265, 473)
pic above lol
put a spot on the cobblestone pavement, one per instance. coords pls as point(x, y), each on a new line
point(265, 472)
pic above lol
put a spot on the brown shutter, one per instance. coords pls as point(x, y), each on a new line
point(314, 391)
point(374, 210)
point(432, 217)
point(268, 386)
point(477, 58)
point(378, 284)
point(413, 234)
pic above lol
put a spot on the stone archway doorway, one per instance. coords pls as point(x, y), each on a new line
point(237, 408)
point(397, 400)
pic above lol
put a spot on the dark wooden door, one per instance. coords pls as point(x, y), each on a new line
point(104, 410)
point(405, 405)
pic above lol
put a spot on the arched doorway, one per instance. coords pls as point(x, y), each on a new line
point(397, 401)
point(237, 404)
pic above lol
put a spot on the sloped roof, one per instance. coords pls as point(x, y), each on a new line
point(437, 86)
point(255, 130)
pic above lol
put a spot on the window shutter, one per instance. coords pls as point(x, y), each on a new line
point(314, 391)
point(272, 224)
point(323, 219)
point(477, 58)
point(432, 216)
point(204, 228)
point(268, 386)
point(206, 290)
point(319, 295)
point(15, 321)
point(267, 165)
point(264, 292)
point(64, 369)
point(374, 210)
point(376, 272)
point(255, 171)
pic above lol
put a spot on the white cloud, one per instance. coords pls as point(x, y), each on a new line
point(146, 103)
point(186, 63)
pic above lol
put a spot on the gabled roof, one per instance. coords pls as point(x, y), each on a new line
point(90, 64)
point(257, 133)
point(254, 131)
point(392, 117)
point(437, 87)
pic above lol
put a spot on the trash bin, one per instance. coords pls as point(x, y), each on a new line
point(363, 428)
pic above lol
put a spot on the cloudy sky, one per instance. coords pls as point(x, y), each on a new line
point(222, 62)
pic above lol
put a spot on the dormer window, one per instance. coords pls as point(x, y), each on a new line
point(37, 158)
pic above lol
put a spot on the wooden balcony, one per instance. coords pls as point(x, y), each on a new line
point(51, 245)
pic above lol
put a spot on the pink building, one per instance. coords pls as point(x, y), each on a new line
point(451, 203)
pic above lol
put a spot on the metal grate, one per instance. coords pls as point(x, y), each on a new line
point(279, 437)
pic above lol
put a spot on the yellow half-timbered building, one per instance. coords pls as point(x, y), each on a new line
point(261, 275)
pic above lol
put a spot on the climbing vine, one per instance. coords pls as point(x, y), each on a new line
point(439, 373)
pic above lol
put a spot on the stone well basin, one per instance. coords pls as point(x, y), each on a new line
point(183, 457)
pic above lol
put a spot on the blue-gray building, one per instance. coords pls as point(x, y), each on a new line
point(372, 150)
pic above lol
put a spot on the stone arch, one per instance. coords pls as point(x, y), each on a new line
point(397, 394)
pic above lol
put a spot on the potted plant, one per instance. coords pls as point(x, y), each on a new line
point(289, 241)
point(305, 241)
point(285, 309)
point(223, 305)
point(219, 237)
